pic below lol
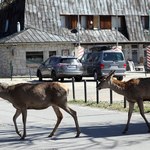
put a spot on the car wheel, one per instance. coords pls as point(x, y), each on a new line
point(62, 79)
point(78, 78)
point(40, 76)
point(95, 76)
point(54, 77)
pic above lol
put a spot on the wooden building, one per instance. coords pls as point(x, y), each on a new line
point(32, 30)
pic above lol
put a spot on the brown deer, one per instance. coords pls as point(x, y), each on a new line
point(134, 90)
point(25, 96)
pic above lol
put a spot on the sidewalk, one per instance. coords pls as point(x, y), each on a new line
point(18, 79)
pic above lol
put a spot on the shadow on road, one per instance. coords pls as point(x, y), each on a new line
point(114, 130)
point(88, 131)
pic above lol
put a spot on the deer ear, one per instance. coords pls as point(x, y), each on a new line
point(111, 73)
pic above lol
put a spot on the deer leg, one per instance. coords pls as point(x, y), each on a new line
point(59, 118)
point(131, 106)
point(141, 107)
point(18, 112)
point(74, 115)
point(24, 117)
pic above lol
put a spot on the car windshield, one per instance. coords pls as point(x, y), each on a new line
point(113, 56)
point(69, 60)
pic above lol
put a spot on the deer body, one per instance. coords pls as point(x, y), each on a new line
point(134, 90)
point(25, 96)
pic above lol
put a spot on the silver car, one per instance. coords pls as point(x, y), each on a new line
point(60, 67)
point(99, 62)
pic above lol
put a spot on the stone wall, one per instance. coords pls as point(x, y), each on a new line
point(16, 54)
point(5, 61)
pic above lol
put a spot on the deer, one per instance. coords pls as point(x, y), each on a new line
point(134, 90)
point(24, 96)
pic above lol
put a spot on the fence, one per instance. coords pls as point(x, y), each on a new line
point(97, 92)
point(73, 88)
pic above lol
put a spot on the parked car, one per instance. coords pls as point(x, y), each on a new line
point(101, 60)
point(60, 67)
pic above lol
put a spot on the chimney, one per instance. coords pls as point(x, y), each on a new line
point(18, 26)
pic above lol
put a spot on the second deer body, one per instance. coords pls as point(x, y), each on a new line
point(134, 90)
point(25, 96)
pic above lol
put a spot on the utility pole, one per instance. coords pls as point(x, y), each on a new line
point(78, 26)
point(149, 25)
point(116, 27)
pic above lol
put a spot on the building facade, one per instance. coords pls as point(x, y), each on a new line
point(33, 30)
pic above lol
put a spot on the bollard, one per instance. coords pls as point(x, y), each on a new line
point(97, 93)
point(11, 70)
point(30, 72)
point(85, 91)
point(125, 103)
point(111, 97)
point(73, 88)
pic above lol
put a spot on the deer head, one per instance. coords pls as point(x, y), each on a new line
point(105, 81)
point(3, 86)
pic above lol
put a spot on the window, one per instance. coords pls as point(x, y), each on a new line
point(63, 23)
point(69, 21)
point(134, 46)
point(51, 53)
point(6, 25)
point(85, 57)
point(116, 23)
point(105, 22)
point(83, 22)
point(113, 57)
point(34, 57)
point(145, 22)
point(69, 60)
point(96, 23)
point(53, 60)
point(90, 22)
point(65, 52)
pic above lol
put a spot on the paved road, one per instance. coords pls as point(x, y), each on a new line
point(101, 129)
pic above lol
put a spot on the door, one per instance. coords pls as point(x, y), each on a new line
point(47, 67)
point(135, 56)
point(85, 63)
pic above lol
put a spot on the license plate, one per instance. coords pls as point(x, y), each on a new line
point(114, 67)
point(72, 67)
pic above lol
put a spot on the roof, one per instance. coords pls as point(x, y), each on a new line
point(34, 36)
point(97, 36)
point(42, 20)
point(45, 15)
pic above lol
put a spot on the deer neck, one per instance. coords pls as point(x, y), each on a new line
point(117, 86)
point(4, 93)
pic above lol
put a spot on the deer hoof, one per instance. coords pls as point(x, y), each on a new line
point(19, 133)
point(51, 135)
point(124, 132)
point(22, 138)
point(78, 134)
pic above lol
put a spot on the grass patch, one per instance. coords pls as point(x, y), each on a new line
point(115, 106)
